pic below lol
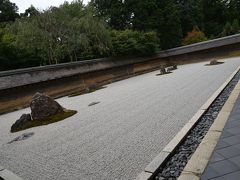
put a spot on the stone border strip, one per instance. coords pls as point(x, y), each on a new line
point(8, 175)
point(198, 162)
point(163, 156)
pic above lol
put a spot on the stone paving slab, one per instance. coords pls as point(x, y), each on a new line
point(225, 161)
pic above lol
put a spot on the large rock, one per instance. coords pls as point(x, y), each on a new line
point(21, 123)
point(43, 106)
point(214, 62)
point(162, 70)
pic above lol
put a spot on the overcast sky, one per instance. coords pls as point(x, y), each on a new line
point(39, 4)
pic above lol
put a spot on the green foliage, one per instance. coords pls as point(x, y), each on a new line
point(31, 11)
point(8, 11)
point(49, 120)
point(235, 26)
point(162, 17)
point(143, 14)
point(133, 43)
point(233, 10)
point(227, 30)
point(230, 29)
point(12, 57)
point(191, 15)
point(103, 28)
point(116, 13)
point(62, 34)
point(195, 36)
point(169, 24)
point(214, 16)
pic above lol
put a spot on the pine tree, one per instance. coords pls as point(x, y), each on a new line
point(227, 30)
point(233, 9)
point(190, 14)
point(8, 11)
point(144, 14)
point(115, 12)
point(235, 26)
point(169, 24)
point(214, 17)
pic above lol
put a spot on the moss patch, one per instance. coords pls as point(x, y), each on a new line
point(87, 91)
point(164, 74)
point(218, 63)
point(51, 119)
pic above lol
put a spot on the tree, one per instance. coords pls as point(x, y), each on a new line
point(62, 34)
point(233, 9)
point(31, 11)
point(115, 12)
point(169, 24)
point(230, 29)
point(227, 30)
point(12, 57)
point(133, 43)
point(144, 15)
point(214, 17)
point(235, 26)
point(8, 11)
point(191, 15)
point(195, 36)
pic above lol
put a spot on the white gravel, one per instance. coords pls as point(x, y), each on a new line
point(117, 138)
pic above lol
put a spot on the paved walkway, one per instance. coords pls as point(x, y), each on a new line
point(225, 161)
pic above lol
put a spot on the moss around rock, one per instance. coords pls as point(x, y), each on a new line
point(49, 120)
point(44, 110)
point(214, 62)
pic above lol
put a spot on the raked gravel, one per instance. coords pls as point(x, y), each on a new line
point(176, 163)
point(117, 138)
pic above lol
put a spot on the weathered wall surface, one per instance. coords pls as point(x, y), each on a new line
point(229, 40)
point(17, 78)
point(17, 87)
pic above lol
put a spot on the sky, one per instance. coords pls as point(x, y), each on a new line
point(39, 4)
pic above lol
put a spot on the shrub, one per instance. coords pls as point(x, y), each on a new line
point(235, 26)
point(230, 29)
point(194, 36)
point(227, 30)
point(133, 43)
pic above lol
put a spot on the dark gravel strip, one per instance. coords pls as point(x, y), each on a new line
point(176, 163)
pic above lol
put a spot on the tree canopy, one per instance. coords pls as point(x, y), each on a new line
point(68, 32)
point(8, 11)
point(103, 28)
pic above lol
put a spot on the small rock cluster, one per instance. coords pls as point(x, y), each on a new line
point(176, 163)
point(166, 70)
point(214, 62)
point(42, 106)
point(162, 70)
